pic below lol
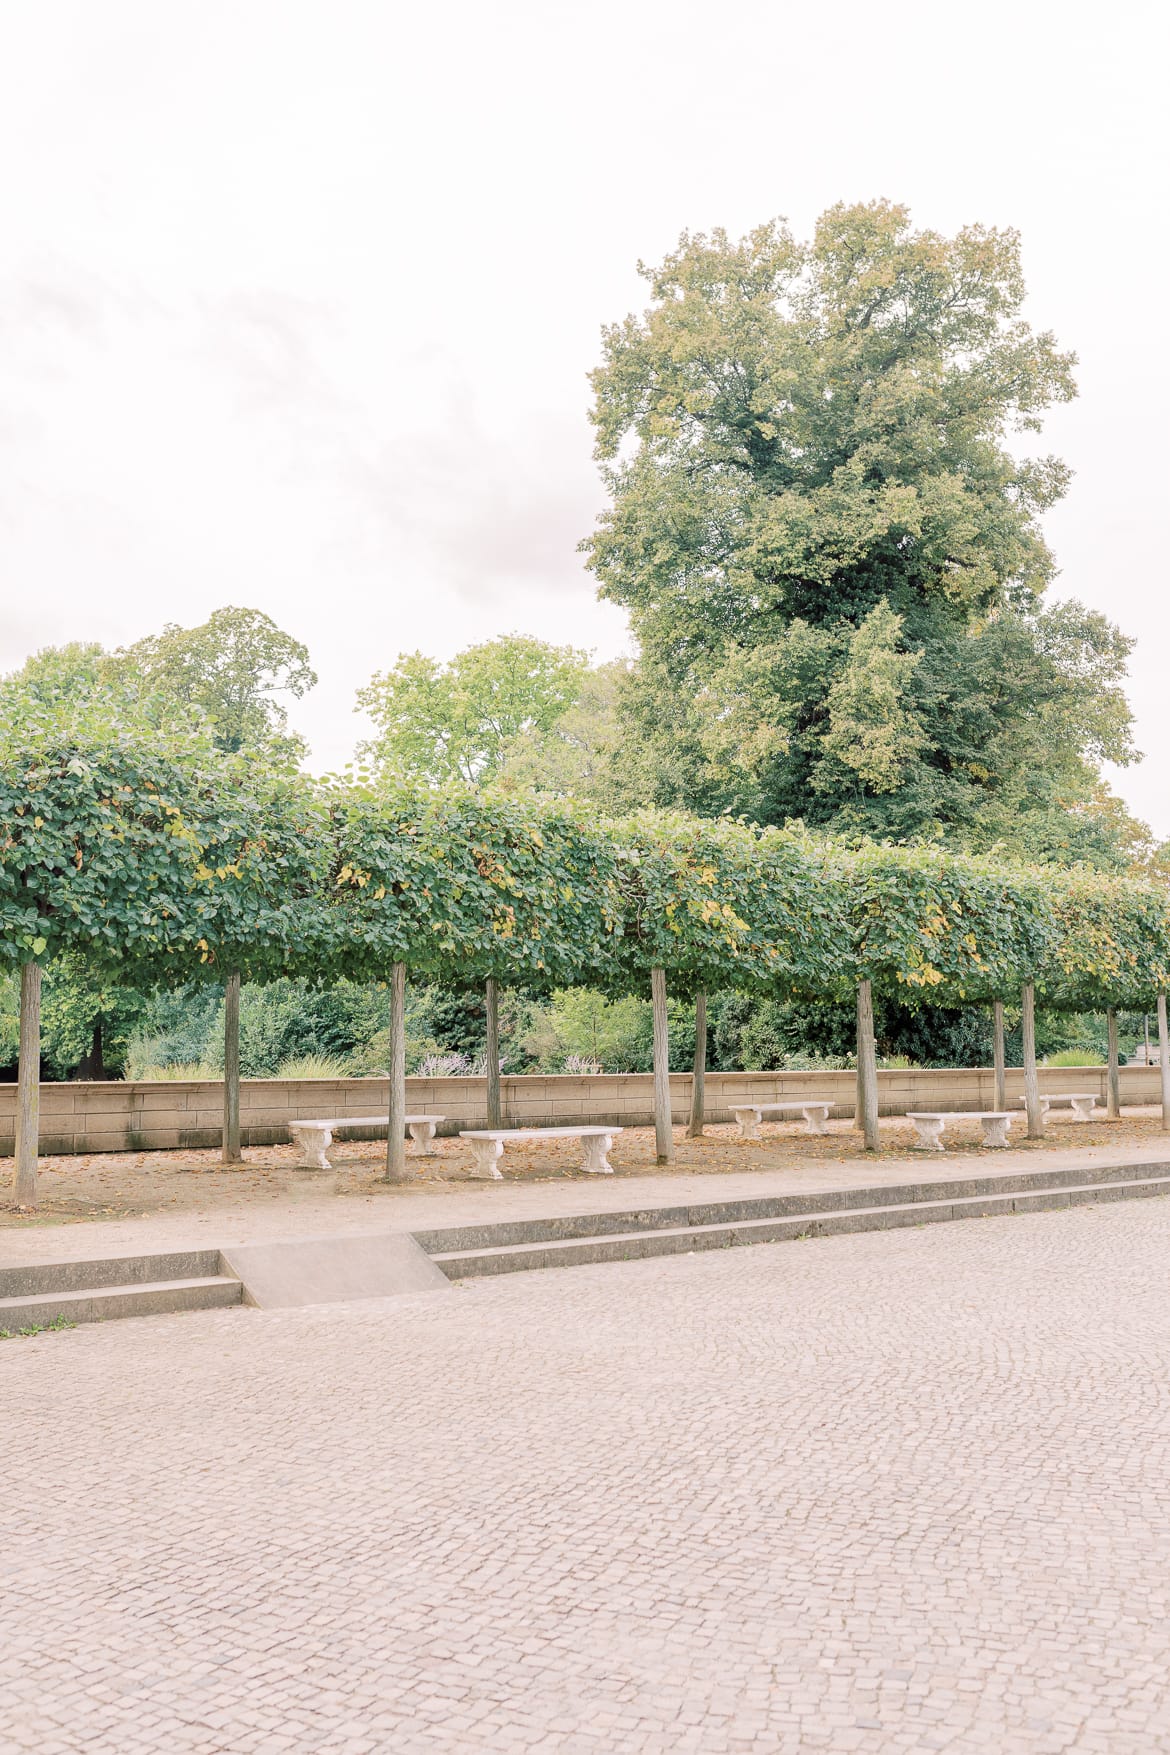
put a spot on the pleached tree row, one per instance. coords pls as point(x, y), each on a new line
point(163, 862)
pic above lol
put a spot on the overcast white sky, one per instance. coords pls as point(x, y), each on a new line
point(297, 297)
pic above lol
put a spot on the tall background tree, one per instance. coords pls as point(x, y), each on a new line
point(831, 550)
point(232, 670)
point(228, 673)
point(461, 721)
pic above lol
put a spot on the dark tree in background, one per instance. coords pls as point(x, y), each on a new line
point(832, 552)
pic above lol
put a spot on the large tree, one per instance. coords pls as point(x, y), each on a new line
point(831, 551)
point(463, 720)
point(231, 670)
point(228, 673)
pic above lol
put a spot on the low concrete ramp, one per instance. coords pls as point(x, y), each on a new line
point(332, 1270)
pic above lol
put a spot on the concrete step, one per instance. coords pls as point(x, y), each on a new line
point(32, 1278)
point(470, 1237)
point(134, 1298)
point(598, 1237)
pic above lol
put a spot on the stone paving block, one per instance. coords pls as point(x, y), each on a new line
point(901, 1490)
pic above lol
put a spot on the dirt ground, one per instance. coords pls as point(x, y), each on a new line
point(116, 1185)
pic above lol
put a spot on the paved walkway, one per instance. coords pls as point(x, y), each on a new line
point(898, 1491)
point(431, 1205)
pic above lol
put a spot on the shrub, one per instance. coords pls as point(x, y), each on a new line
point(443, 1066)
point(313, 1066)
point(576, 1063)
point(613, 1033)
point(179, 1070)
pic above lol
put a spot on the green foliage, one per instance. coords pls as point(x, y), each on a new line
point(1075, 1057)
point(176, 1026)
point(454, 1019)
point(230, 671)
point(131, 861)
point(9, 1017)
point(723, 904)
point(313, 1066)
point(288, 1020)
point(53, 677)
point(260, 903)
point(462, 884)
point(87, 1019)
point(758, 1032)
point(581, 1022)
point(223, 676)
point(576, 755)
point(1111, 945)
point(873, 735)
point(170, 1071)
point(462, 721)
point(282, 1022)
point(132, 858)
point(102, 838)
point(832, 558)
point(927, 923)
point(36, 1328)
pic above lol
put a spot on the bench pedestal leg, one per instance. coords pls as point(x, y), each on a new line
point(595, 1153)
point(313, 1142)
point(1082, 1108)
point(422, 1133)
point(749, 1123)
point(995, 1130)
point(815, 1118)
point(487, 1154)
point(929, 1136)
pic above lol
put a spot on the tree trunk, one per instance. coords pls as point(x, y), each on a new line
point(1113, 1091)
point(28, 1092)
point(1164, 1061)
point(231, 1069)
point(396, 1170)
point(1031, 1081)
point(998, 1056)
point(699, 1076)
point(663, 1131)
point(495, 1107)
point(92, 1064)
point(867, 1087)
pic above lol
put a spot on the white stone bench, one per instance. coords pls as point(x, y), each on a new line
point(487, 1146)
point(930, 1124)
point(1082, 1103)
point(749, 1116)
point(314, 1137)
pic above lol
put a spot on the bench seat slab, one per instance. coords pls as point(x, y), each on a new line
point(487, 1147)
point(316, 1136)
point(929, 1127)
point(749, 1116)
point(1082, 1103)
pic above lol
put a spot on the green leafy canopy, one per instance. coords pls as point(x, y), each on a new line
point(831, 548)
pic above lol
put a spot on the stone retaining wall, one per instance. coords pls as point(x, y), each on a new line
point(120, 1117)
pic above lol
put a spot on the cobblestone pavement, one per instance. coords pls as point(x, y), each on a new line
point(904, 1490)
